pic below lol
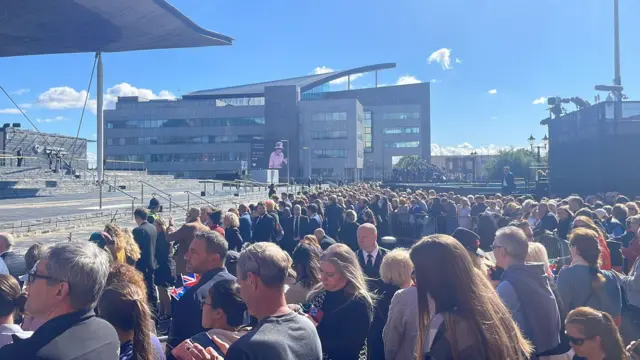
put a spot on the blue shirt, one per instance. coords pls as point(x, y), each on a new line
point(3, 268)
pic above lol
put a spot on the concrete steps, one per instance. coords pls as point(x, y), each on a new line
point(124, 214)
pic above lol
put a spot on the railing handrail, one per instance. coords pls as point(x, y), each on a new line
point(171, 202)
point(124, 192)
point(201, 198)
point(155, 188)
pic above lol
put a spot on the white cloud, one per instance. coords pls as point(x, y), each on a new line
point(407, 80)
point(10, 111)
point(26, 106)
point(493, 92)
point(465, 149)
point(442, 56)
point(93, 136)
point(62, 97)
point(325, 70)
point(540, 101)
point(65, 97)
point(458, 61)
point(435, 81)
point(50, 120)
point(20, 92)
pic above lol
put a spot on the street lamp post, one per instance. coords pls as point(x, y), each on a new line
point(532, 142)
point(473, 164)
point(288, 164)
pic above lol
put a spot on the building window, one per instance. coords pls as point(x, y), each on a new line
point(401, 115)
point(401, 130)
point(329, 134)
point(244, 101)
point(368, 132)
point(179, 123)
point(329, 116)
point(329, 153)
point(322, 172)
point(402, 144)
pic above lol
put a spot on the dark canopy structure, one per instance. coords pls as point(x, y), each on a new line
point(33, 27)
point(38, 27)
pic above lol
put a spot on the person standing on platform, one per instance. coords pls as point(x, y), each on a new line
point(145, 236)
point(508, 182)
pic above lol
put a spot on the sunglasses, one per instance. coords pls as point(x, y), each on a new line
point(577, 341)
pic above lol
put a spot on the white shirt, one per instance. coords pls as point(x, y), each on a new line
point(374, 254)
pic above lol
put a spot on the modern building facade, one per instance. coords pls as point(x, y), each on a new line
point(348, 135)
point(593, 151)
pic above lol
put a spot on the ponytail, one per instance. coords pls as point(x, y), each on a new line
point(124, 306)
point(141, 330)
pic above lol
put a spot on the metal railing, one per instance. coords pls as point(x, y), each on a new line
point(133, 198)
point(171, 202)
point(143, 183)
point(189, 194)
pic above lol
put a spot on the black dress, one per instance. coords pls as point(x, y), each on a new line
point(165, 274)
point(375, 343)
point(344, 325)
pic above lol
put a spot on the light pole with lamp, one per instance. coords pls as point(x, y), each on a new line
point(532, 142)
point(473, 164)
point(288, 164)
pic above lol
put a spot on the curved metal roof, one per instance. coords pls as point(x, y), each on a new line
point(304, 82)
point(32, 27)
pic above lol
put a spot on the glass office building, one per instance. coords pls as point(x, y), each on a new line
point(349, 135)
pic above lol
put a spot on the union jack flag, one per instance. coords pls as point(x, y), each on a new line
point(188, 281)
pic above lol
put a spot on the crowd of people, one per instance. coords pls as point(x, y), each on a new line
point(321, 274)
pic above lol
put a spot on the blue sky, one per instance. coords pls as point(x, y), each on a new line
point(523, 49)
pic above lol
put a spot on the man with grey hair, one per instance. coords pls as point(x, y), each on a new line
point(15, 263)
point(524, 289)
point(62, 291)
point(281, 333)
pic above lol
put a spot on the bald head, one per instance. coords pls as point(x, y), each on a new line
point(6, 242)
point(367, 237)
point(319, 233)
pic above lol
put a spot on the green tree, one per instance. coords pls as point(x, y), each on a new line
point(413, 168)
point(519, 160)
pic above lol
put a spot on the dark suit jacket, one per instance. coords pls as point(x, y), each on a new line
point(15, 263)
point(263, 229)
point(510, 179)
point(548, 222)
point(325, 242)
point(335, 217)
point(245, 226)
point(234, 239)
point(304, 227)
point(348, 235)
point(373, 273)
point(145, 236)
point(313, 225)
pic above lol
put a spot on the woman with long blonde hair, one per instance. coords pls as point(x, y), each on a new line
point(131, 248)
point(342, 307)
point(460, 314)
point(118, 237)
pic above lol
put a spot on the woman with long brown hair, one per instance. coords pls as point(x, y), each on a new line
point(11, 300)
point(584, 283)
point(593, 335)
point(131, 248)
point(460, 314)
point(124, 306)
point(605, 254)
